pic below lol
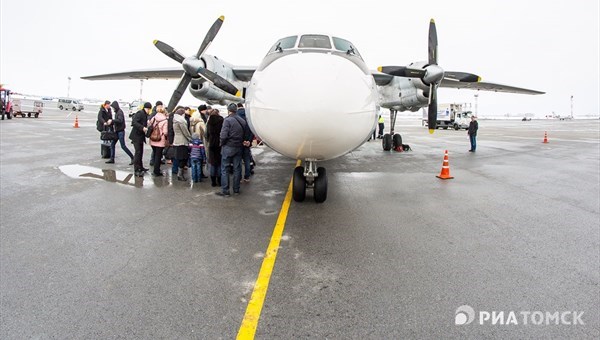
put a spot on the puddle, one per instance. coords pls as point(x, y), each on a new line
point(267, 212)
point(114, 176)
point(271, 193)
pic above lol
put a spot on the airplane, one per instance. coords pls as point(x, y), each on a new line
point(313, 98)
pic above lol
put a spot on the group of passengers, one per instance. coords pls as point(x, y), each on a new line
point(196, 141)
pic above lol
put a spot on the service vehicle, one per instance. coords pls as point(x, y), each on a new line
point(69, 104)
point(5, 103)
point(451, 116)
point(27, 107)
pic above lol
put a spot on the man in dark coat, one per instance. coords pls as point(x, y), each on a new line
point(213, 136)
point(248, 137)
point(472, 132)
point(231, 138)
point(119, 124)
point(139, 124)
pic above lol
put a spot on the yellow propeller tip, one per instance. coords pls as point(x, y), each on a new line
point(154, 42)
point(432, 21)
point(380, 68)
point(238, 93)
point(222, 18)
point(478, 79)
point(431, 131)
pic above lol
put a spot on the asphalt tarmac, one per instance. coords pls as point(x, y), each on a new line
point(392, 253)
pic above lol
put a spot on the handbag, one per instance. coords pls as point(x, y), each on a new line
point(108, 134)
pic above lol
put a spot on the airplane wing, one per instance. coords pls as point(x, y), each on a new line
point(484, 86)
point(162, 73)
point(243, 73)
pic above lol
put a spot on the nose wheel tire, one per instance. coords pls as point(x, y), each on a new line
point(387, 142)
point(299, 185)
point(320, 185)
point(397, 140)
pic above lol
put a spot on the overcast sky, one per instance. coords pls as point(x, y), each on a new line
point(541, 45)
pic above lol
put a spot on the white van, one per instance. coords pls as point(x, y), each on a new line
point(69, 104)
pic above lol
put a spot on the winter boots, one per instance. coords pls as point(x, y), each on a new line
point(181, 175)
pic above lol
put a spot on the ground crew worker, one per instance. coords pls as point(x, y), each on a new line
point(381, 127)
point(472, 132)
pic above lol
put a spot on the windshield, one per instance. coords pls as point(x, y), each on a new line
point(285, 43)
point(344, 45)
point(314, 41)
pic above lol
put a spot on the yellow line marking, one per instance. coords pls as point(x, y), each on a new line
point(250, 321)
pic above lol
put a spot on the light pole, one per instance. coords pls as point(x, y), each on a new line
point(141, 88)
point(476, 96)
point(69, 88)
point(571, 106)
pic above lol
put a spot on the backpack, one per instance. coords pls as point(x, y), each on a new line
point(99, 126)
point(156, 134)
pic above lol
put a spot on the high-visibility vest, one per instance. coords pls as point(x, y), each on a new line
point(380, 121)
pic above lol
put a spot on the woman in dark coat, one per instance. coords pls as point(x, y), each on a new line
point(213, 133)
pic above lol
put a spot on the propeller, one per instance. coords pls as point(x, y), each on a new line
point(194, 67)
point(431, 74)
point(432, 52)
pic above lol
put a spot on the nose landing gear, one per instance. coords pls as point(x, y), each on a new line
point(309, 176)
point(392, 140)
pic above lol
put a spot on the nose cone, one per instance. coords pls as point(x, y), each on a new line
point(312, 105)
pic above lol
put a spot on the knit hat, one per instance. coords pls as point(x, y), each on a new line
point(202, 107)
point(158, 103)
point(147, 105)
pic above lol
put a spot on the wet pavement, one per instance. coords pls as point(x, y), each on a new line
point(89, 251)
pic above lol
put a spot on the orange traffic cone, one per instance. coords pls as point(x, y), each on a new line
point(445, 173)
point(545, 137)
point(76, 122)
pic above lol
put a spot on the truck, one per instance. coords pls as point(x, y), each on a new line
point(6, 109)
point(451, 115)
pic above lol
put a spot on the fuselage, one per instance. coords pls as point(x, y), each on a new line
point(312, 97)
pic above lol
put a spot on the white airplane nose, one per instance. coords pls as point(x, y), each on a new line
point(312, 105)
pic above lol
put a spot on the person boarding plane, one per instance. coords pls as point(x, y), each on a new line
point(305, 87)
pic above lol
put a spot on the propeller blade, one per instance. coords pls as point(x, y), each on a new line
point(432, 109)
point(210, 35)
point(178, 93)
point(219, 81)
point(169, 51)
point(462, 77)
point(433, 44)
point(402, 71)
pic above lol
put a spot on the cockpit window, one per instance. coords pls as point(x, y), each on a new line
point(285, 43)
point(345, 46)
point(314, 41)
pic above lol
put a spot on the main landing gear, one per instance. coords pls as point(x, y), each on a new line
point(309, 176)
point(392, 140)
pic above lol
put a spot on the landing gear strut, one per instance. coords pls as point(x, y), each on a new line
point(309, 176)
point(392, 140)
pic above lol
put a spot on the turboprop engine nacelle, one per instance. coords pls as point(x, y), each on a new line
point(206, 91)
point(404, 94)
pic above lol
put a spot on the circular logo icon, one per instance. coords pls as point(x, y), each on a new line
point(464, 315)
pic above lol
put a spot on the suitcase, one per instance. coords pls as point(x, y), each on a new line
point(105, 149)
